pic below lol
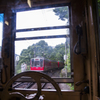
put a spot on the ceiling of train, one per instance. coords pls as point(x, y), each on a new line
point(32, 2)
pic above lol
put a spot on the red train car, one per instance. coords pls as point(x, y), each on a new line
point(42, 64)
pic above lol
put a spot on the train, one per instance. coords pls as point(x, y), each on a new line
point(43, 64)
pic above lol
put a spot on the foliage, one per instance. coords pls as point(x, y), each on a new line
point(68, 63)
point(62, 12)
point(98, 1)
point(71, 86)
point(58, 52)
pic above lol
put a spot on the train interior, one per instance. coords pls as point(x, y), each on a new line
point(49, 50)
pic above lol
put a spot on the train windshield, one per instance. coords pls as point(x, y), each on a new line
point(36, 63)
point(44, 39)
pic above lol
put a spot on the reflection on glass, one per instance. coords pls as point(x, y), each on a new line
point(43, 18)
point(66, 86)
point(1, 31)
point(44, 55)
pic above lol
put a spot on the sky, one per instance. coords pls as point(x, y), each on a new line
point(38, 18)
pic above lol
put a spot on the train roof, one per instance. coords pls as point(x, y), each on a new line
point(38, 57)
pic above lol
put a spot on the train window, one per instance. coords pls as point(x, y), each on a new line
point(1, 31)
point(42, 41)
point(98, 17)
point(41, 62)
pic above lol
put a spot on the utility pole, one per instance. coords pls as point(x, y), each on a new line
point(65, 54)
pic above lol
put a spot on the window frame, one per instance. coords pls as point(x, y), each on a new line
point(14, 30)
point(1, 61)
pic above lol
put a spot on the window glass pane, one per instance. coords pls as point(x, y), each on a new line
point(57, 16)
point(1, 32)
point(98, 13)
point(44, 55)
point(47, 55)
point(33, 85)
point(42, 33)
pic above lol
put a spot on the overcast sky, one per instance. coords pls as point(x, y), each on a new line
point(38, 18)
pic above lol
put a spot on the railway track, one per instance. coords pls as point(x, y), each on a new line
point(33, 85)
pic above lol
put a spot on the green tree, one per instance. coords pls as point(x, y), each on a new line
point(62, 12)
point(68, 62)
point(39, 49)
point(99, 1)
point(59, 52)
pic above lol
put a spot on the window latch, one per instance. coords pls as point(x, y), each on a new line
point(80, 82)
